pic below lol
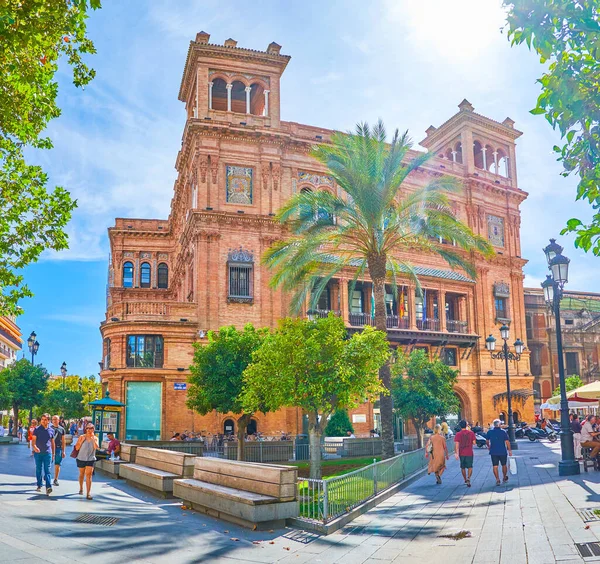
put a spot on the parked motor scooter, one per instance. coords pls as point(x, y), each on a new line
point(480, 440)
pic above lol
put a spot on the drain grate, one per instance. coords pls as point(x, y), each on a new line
point(588, 549)
point(588, 515)
point(533, 458)
point(90, 519)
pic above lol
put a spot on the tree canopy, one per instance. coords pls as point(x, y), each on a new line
point(566, 36)
point(371, 228)
point(34, 36)
point(216, 380)
point(571, 383)
point(423, 389)
point(22, 386)
point(339, 424)
point(313, 365)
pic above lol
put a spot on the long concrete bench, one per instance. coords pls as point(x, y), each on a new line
point(260, 496)
point(128, 452)
point(156, 469)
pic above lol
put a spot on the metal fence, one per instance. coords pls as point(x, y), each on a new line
point(324, 500)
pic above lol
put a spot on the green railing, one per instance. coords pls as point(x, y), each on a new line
point(325, 500)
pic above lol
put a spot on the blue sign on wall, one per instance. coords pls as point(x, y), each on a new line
point(179, 386)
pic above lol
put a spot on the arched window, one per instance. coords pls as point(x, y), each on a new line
point(145, 277)
point(128, 275)
point(219, 95)
point(257, 100)
point(458, 149)
point(238, 97)
point(502, 167)
point(228, 427)
point(163, 275)
point(252, 427)
point(478, 154)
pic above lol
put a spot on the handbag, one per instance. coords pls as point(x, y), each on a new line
point(429, 447)
point(74, 452)
point(512, 464)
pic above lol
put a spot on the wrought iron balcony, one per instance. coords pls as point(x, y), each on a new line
point(456, 326)
point(428, 324)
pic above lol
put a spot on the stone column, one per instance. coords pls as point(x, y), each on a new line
point(210, 87)
point(442, 309)
point(495, 162)
point(507, 169)
point(344, 306)
point(229, 87)
point(453, 156)
point(266, 110)
point(412, 308)
point(248, 89)
point(484, 150)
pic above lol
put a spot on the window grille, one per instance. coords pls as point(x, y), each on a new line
point(240, 267)
point(163, 275)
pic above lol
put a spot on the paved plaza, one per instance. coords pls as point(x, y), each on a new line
point(533, 519)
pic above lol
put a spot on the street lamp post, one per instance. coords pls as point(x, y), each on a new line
point(33, 346)
point(553, 287)
point(63, 371)
point(506, 355)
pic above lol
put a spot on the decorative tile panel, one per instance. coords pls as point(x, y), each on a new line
point(496, 230)
point(315, 179)
point(145, 255)
point(239, 185)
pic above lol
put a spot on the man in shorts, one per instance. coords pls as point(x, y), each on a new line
point(465, 440)
point(499, 446)
point(59, 446)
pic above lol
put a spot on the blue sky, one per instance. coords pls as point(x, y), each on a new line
point(407, 62)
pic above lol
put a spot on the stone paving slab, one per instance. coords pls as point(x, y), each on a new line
point(533, 520)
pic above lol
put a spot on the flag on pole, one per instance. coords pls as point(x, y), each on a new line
point(424, 305)
point(401, 308)
point(372, 305)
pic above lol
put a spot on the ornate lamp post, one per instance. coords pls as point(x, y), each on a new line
point(553, 292)
point(63, 371)
point(33, 347)
point(506, 355)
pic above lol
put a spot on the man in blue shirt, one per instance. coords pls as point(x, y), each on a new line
point(499, 445)
point(43, 452)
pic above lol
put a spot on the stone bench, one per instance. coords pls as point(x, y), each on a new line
point(110, 467)
point(260, 496)
point(128, 452)
point(156, 469)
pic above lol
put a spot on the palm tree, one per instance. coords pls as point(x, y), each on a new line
point(370, 229)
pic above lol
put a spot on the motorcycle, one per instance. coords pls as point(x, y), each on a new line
point(537, 434)
point(480, 440)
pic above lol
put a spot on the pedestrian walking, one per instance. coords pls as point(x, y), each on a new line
point(437, 452)
point(59, 446)
point(86, 456)
point(30, 431)
point(445, 428)
point(43, 448)
point(499, 447)
point(576, 428)
point(465, 440)
point(20, 431)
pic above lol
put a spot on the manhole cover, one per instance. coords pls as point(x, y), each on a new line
point(589, 514)
point(97, 520)
point(588, 549)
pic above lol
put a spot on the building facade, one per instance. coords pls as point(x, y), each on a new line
point(172, 280)
point(580, 327)
point(10, 340)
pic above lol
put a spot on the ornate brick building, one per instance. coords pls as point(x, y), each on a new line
point(580, 324)
point(10, 340)
point(170, 281)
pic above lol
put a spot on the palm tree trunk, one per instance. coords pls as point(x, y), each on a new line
point(377, 272)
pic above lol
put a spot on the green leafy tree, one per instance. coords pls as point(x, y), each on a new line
point(378, 223)
point(68, 403)
point(313, 365)
point(22, 386)
point(423, 389)
point(571, 383)
point(339, 424)
point(566, 34)
point(34, 36)
point(216, 380)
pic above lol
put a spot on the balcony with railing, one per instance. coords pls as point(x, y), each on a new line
point(456, 326)
point(152, 310)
